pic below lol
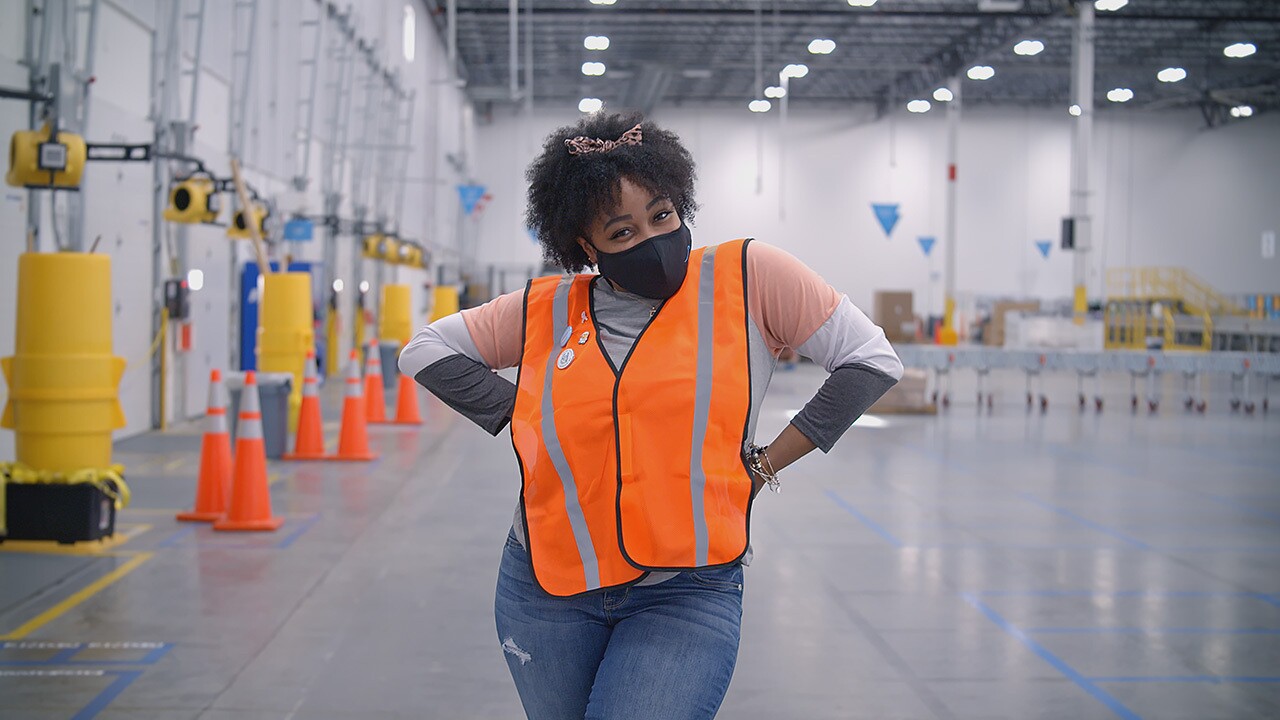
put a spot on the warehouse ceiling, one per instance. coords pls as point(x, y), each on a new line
point(703, 52)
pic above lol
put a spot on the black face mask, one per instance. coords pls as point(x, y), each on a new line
point(654, 268)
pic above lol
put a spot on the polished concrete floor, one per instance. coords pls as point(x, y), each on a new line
point(969, 565)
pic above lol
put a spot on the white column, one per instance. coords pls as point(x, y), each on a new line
point(949, 242)
point(1082, 69)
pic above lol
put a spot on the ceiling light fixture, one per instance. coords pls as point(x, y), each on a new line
point(943, 95)
point(775, 92)
point(1075, 111)
point(595, 42)
point(593, 68)
point(1242, 111)
point(1029, 47)
point(1120, 95)
point(590, 105)
point(1110, 5)
point(1240, 50)
point(795, 70)
point(1171, 75)
point(759, 106)
point(603, 2)
point(861, 3)
point(822, 46)
point(919, 106)
point(981, 72)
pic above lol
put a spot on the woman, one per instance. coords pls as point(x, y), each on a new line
point(620, 589)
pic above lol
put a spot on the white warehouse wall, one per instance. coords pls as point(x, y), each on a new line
point(1168, 192)
point(118, 200)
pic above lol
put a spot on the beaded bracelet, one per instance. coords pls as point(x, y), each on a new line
point(757, 460)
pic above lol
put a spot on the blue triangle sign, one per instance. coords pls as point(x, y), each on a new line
point(1043, 246)
point(926, 244)
point(887, 214)
point(470, 195)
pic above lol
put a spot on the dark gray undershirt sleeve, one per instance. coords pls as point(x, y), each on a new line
point(847, 393)
point(479, 394)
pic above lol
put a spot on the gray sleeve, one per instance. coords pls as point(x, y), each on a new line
point(475, 391)
point(847, 393)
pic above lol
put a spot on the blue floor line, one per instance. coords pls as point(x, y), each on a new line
point(871, 524)
point(105, 698)
point(1210, 679)
point(1085, 522)
point(302, 528)
point(1060, 665)
point(177, 536)
point(1150, 631)
point(1126, 593)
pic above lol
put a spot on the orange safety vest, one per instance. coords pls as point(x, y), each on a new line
point(675, 412)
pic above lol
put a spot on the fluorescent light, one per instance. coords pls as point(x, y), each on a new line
point(795, 70)
point(603, 2)
point(943, 95)
point(821, 46)
point(981, 72)
point(1120, 95)
point(592, 68)
point(195, 280)
point(1240, 111)
point(759, 106)
point(1240, 50)
point(1171, 75)
point(1029, 47)
point(407, 29)
point(1110, 5)
point(337, 285)
point(1075, 110)
point(775, 92)
point(918, 106)
point(364, 286)
point(590, 105)
point(861, 3)
point(595, 42)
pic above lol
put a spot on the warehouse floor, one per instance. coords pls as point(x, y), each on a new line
point(965, 566)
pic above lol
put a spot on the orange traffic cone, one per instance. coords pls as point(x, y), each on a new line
point(310, 442)
point(215, 458)
point(375, 402)
point(407, 402)
point(250, 506)
point(353, 441)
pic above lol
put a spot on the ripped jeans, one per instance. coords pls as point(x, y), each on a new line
point(657, 651)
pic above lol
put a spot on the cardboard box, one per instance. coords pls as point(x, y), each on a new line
point(891, 310)
point(994, 335)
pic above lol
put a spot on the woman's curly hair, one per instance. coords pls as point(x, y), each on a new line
point(567, 193)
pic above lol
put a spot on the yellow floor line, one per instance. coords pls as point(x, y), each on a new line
point(124, 533)
point(92, 589)
point(174, 464)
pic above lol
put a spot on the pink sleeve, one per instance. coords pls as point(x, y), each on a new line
point(787, 300)
point(496, 328)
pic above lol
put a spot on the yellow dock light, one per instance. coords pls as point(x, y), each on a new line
point(240, 231)
point(37, 161)
point(373, 246)
point(390, 249)
point(193, 200)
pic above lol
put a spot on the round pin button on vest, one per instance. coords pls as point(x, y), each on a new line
point(565, 359)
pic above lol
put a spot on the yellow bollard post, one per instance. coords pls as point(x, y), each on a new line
point(63, 378)
point(285, 330)
point(395, 322)
point(444, 302)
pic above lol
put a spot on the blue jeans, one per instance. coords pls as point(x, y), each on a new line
point(658, 651)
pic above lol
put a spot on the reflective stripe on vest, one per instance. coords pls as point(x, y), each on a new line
point(675, 412)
